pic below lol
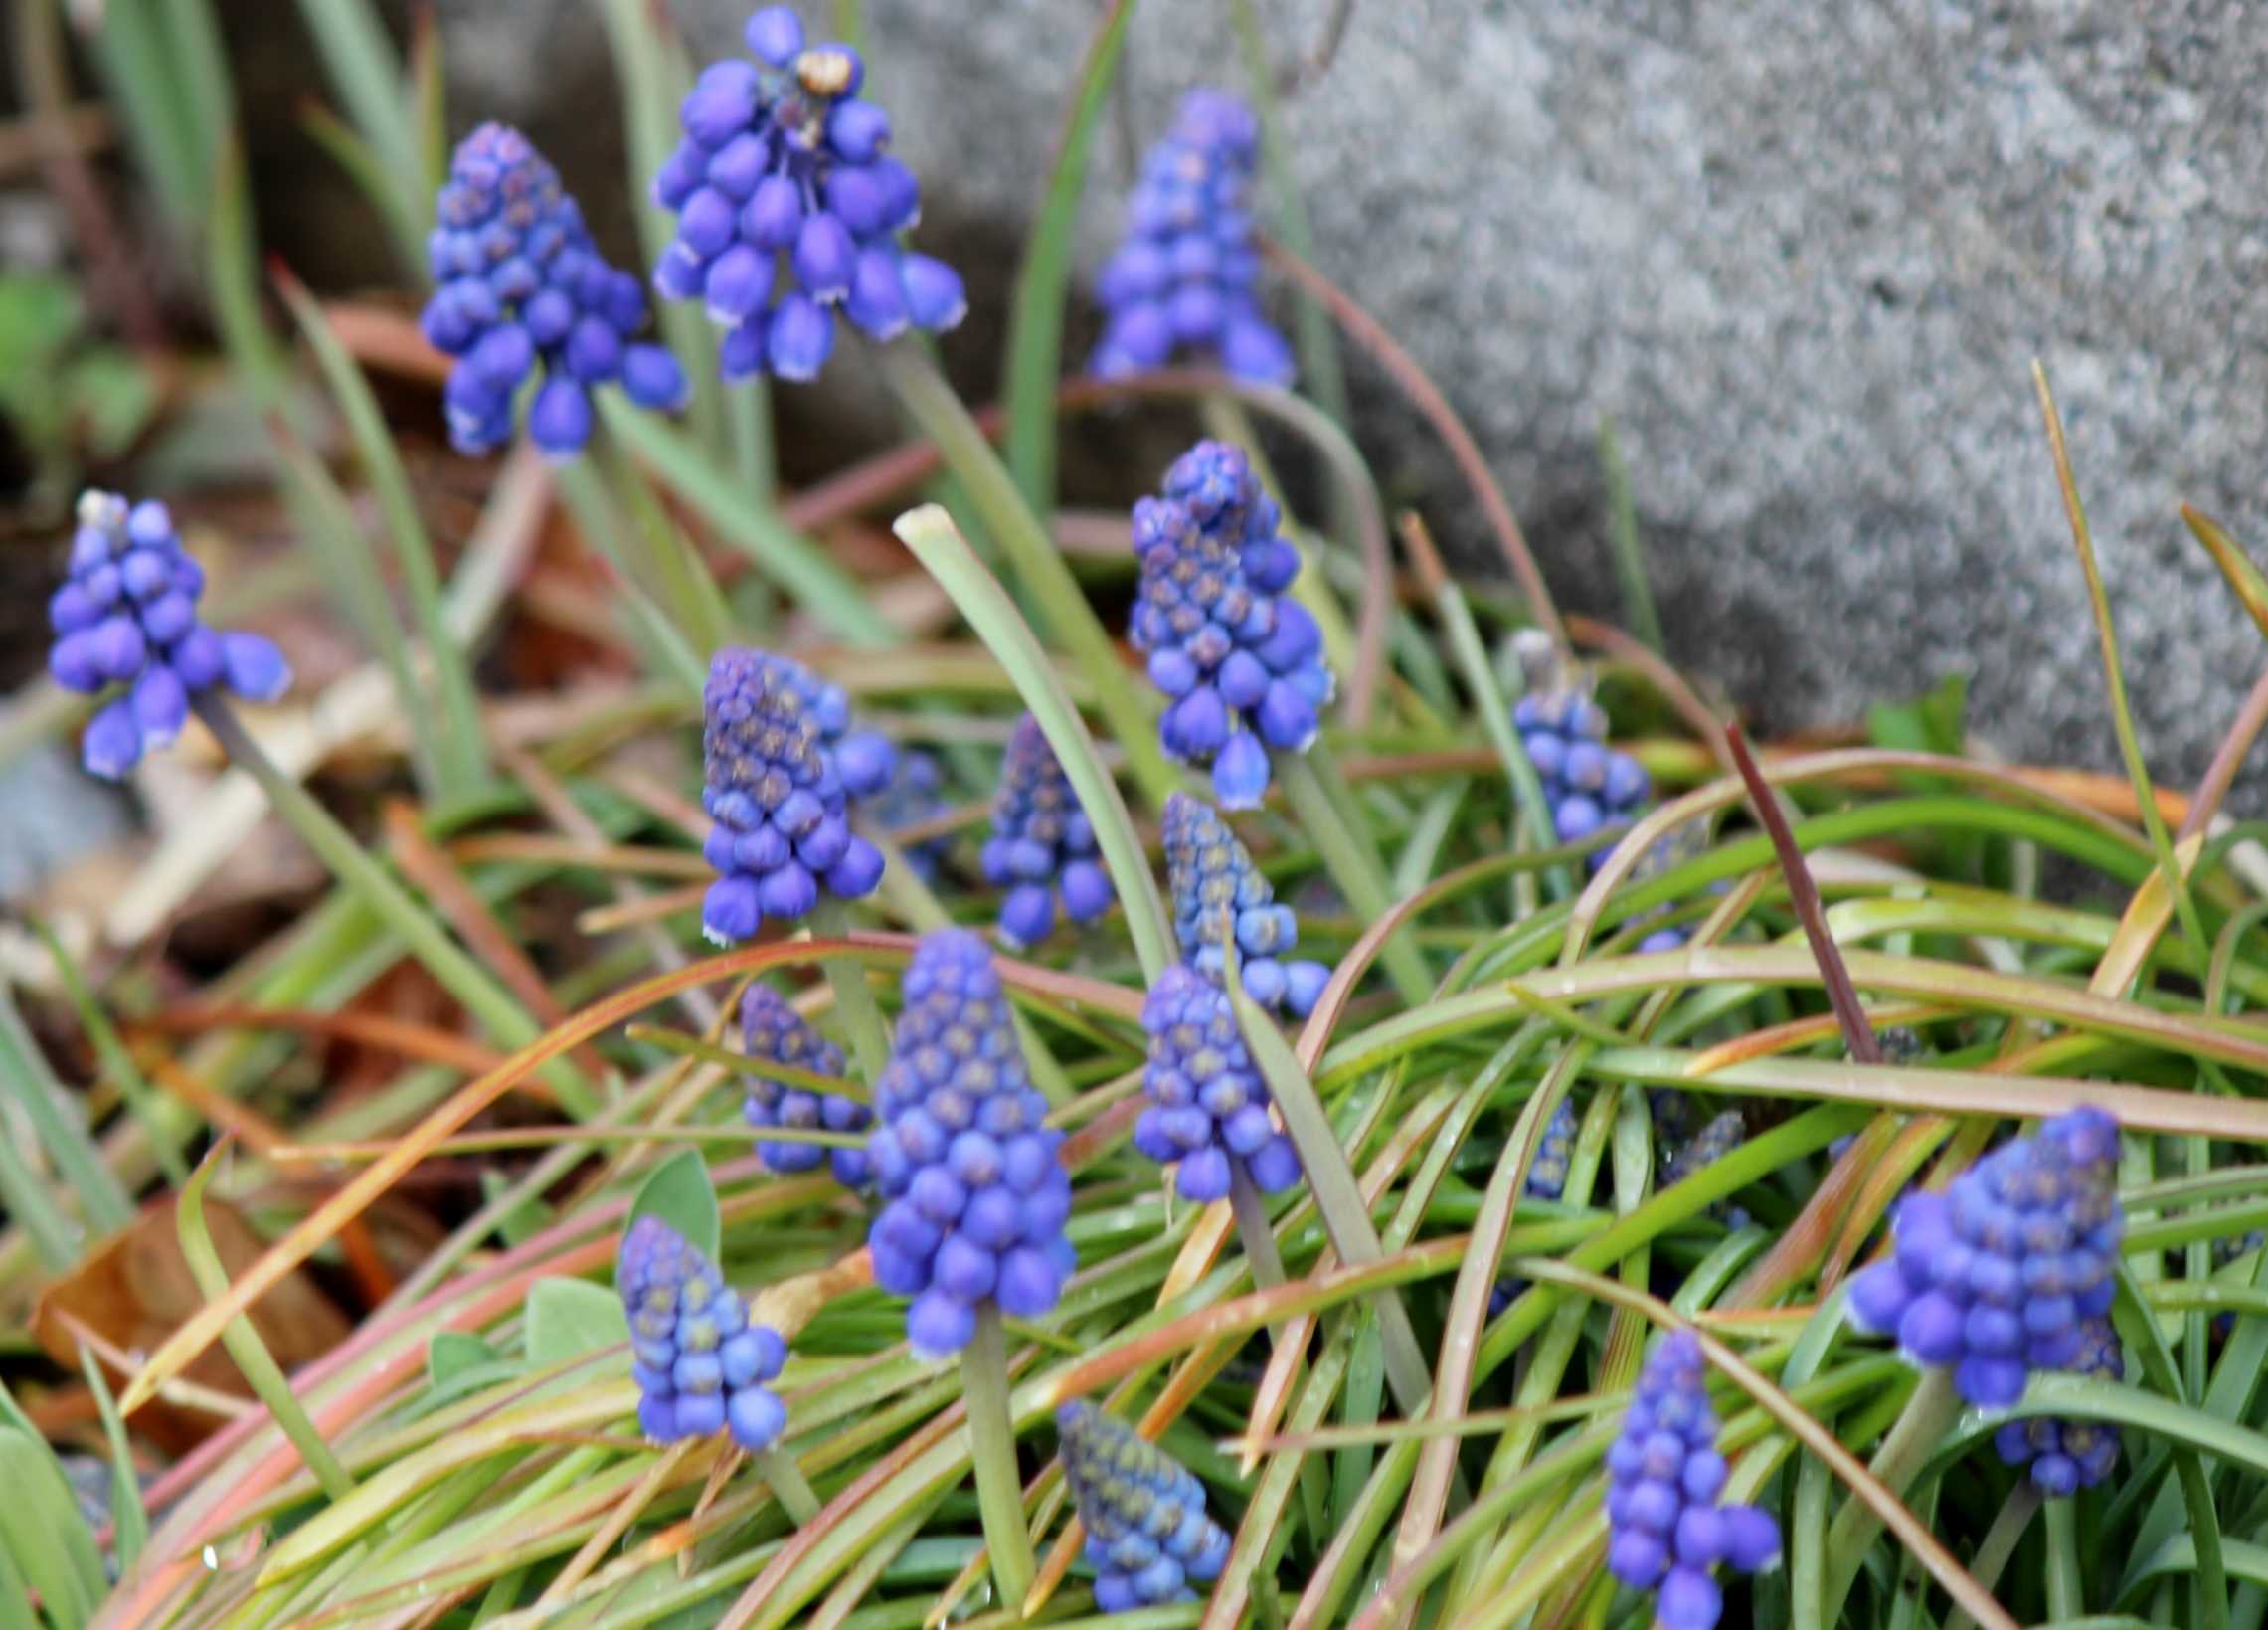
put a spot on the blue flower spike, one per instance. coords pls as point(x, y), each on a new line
point(1998, 1276)
point(126, 625)
point(1547, 1179)
point(2066, 1456)
point(522, 296)
point(700, 1365)
point(1238, 660)
point(1181, 282)
point(1665, 1530)
point(1217, 894)
point(772, 1032)
point(1149, 1537)
point(1208, 1103)
point(1042, 843)
point(916, 794)
point(789, 208)
point(975, 1198)
point(782, 832)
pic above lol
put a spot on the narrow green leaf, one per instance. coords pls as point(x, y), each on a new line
point(680, 1194)
point(1035, 317)
point(938, 544)
point(136, 59)
point(367, 170)
point(116, 1063)
point(130, 1519)
point(1623, 543)
point(41, 1522)
point(26, 1078)
point(365, 73)
point(567, 1317)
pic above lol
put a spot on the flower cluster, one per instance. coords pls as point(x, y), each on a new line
point(1238, 660)
point(1547, 1179)
point(774, 1034)
point(126, 615)
point(788, 205)
point(1183, 280)
point(1719, 1137)
point(1148, 1534)
point(916, 794)
point(1218, 894)
point(1208, 1105)
point(781, 831)
point(865, 761)
point(1589, 785)
point(1996, 1276)
point(700, 1365)
point(1042, 843)
point(1667, 1530)
point(976, 1197)
point(518, 282)
point(2069, 1455)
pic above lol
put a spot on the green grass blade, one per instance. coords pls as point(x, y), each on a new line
point(130, 1519)
point(41, 1522)
point(1623, 543)
point(1037, 563)
point(938, 544)
point(367, 76)
point(135, 58)
point(133, 1087)
point(1035, 317)
point(461, 749)
point(25, 1075)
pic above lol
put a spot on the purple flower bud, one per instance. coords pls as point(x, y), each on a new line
point(776, 35)
point(935, 297)
point(700, 1364)
point(799, 336)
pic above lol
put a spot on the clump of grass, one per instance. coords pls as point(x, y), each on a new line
point(1742, 1022)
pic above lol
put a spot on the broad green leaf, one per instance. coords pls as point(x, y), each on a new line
point(567, 1317)
point(680, 1194)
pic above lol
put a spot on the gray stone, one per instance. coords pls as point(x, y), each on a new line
point(1804, 254)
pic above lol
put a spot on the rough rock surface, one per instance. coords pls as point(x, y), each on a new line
point(1804, 254)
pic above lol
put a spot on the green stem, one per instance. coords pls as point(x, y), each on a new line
point(1353, 863)
point(664, 551)
point(1999, 1544)
point(748, 420)
point(1252, 1227)
point(1037, 563)
point(788, 1484)
point(992, 1445)
point(141, 1100)
point(462, 978)
point(2065, 1599)
point(1928, 1414)
point(854, 998)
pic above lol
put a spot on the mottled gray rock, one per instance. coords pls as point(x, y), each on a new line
point(1804, 252)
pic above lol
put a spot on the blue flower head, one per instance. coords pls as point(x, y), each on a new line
point(788, 206)
point(975, 1197)
point(865, 760)
point(1238, 660)
point(520, 293)
point(1719, 1137)
point(1666, 1528)
point(1148, 1534)
point(1208, 1103)
point(125, 618)
point(782, 833)
point(1042, 843)
point(1998, 1276)
point(1547, 1172)
point(915, 795)
point(1589, 786)
point(2069, 1455)
point(1181, 282)
point(1219, 894)
point(774, 1032)
point(700, 1365)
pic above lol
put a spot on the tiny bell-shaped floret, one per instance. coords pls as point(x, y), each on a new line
point(1217, 895)
point(700, 1365)
point(1995, 1277)
point(1042, 843)
point(2066, 1456)
point(975, 1197)
point(789, 208)
point(1181, 282)
point(1149, 1537)
point(1665, 1530)
point(1208, 1104)
point(774, 1032)
point(522, 296)
point(126, 625)
point(1237, 657)
point(783, 832)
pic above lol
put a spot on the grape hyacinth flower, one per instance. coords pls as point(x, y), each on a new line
point(1183, 280)
point(916, 794)
point(772, 1032)
point(1665, 1474)
point(976, 1198)
point(1148, 1534)
point(1719, 1137)
point(788, 206)
point(519, 284)
point(1995, 1277)
point(1215, 888)
point(866, 760)
point(1589, 786)
point(1547, 1179)
point(2069, 1455)
point(700, 1365)
point(126, 617)
point(781, 833)
point(1042, 843)
point(1208, 1103)
point(1239, 660)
